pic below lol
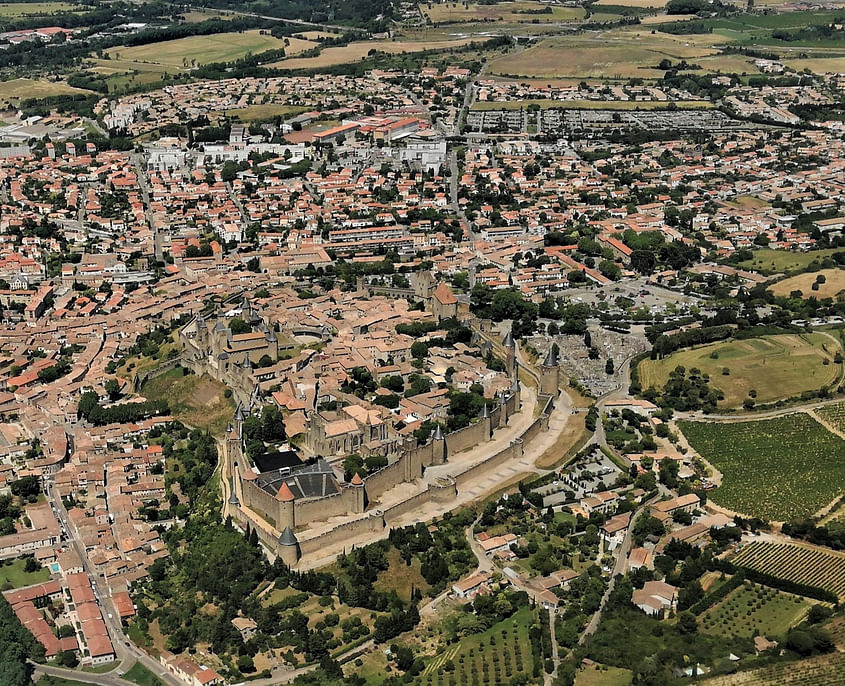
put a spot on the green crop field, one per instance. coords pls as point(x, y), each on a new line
point(122, 73)
point(803, 564)
point(771, 261)
point(779, 469)
point(751, 608)
point(833, 415)
point(182, 53)
point(757, 29)
point(493, 657)
point(13, 576)
point(822, 670)
point(15, 10)
point(774, 366)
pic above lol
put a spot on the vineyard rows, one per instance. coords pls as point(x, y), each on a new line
point(803, 565)
point(823, 670)
point(779, 469)
point(495, 657)
point(833, 415)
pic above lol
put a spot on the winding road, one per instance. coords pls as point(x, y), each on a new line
point(126, 651)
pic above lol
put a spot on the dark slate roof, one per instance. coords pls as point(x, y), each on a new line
point(287, 537)
point(309, 481)
point(233, 498)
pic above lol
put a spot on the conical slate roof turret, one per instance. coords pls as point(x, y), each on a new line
point(551, 358)
point(485, 412)
point(287, 537)
point(233, 498)
point(438, 433)
point(508, 341)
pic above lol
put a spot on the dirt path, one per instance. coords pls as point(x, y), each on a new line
point(549, 679)
point(827, 425)
point(756, 416)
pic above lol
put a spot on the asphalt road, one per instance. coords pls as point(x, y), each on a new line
point(84, 677)
point(127, 653)
point(618, 568)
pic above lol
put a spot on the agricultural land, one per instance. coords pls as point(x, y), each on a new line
point(775, 367)
point(419, 343)
point(768, 261)
point(834, 415)
point(802, 564)
point(831, 285)
point(184, 53)
point(752, 609)
point(354, 52)
point(15, 90)
point(779, 469)
point(815, 671)
point(493, 657)
point(455, 12)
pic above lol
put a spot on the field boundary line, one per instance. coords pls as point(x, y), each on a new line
point(827, 425)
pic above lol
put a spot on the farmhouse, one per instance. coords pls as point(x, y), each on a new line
point(683, 503)
point(495, 543)
point(614, 529)
point(600, 502)
point(637, 405)
point(470, 586)
point(655, 597)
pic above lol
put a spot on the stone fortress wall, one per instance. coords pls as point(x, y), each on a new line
point(297, 528)
point(354, 500)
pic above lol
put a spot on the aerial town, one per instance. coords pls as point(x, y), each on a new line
point(444, 344)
